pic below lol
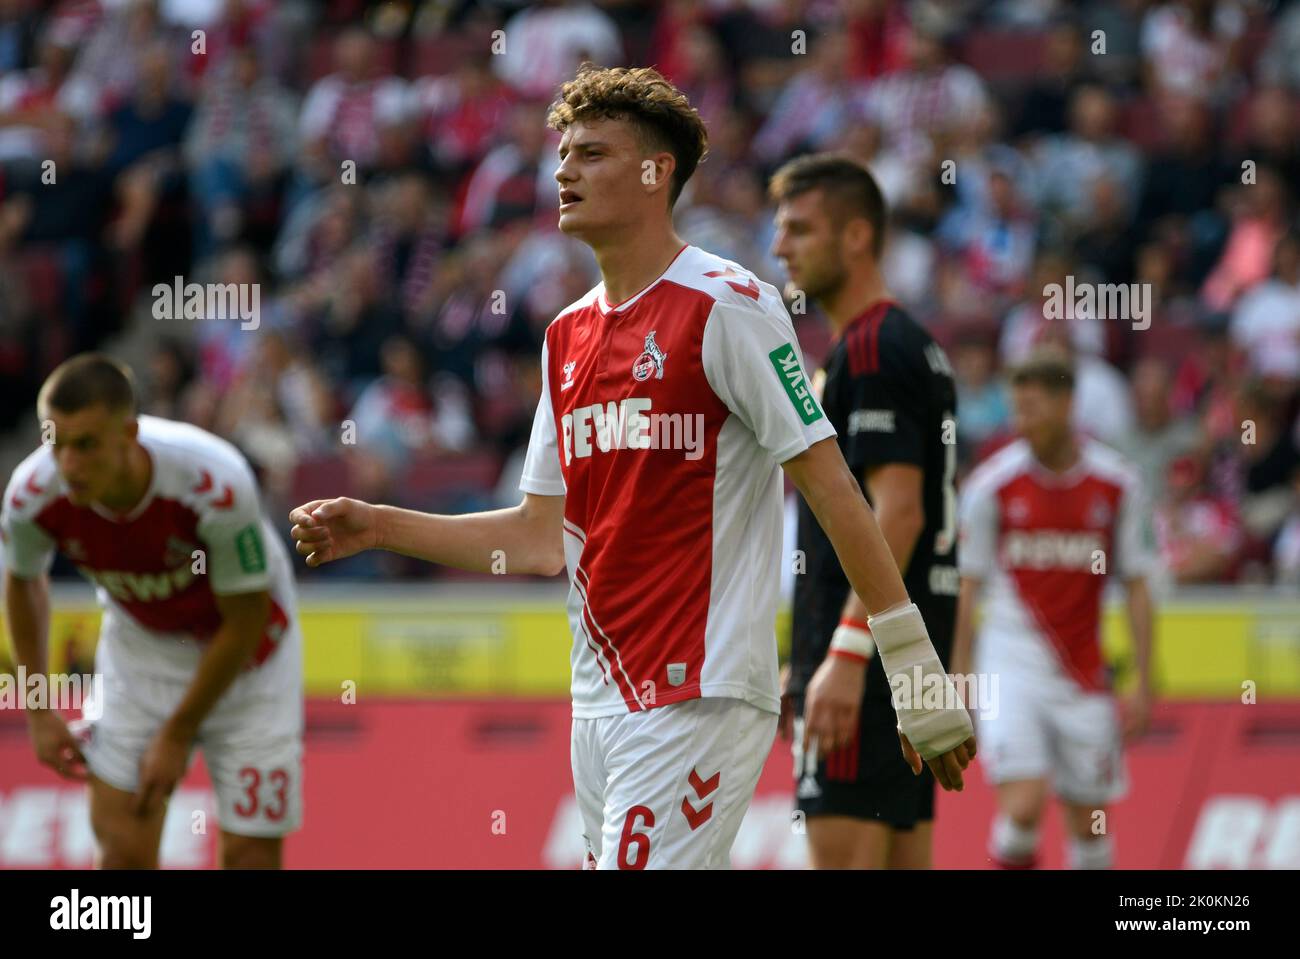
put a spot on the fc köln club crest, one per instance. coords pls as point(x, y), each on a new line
point(649, 362)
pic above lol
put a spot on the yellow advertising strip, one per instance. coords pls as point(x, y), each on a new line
point(495, 642)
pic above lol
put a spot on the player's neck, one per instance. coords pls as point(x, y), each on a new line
point(134, 483)
point(1060, 455)
point(629, 266)
point(857, 295)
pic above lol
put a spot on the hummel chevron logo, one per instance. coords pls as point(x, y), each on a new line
point(205, 483)
point(703, 787)
point(750, 289)
point(31, 487)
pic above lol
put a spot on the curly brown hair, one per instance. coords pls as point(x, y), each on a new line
point(663, 116)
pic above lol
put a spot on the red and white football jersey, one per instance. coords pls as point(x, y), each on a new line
point(1044, 544)
point(198, 533)
point(662, 422)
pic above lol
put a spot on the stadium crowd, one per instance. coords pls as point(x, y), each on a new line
point(383, 172)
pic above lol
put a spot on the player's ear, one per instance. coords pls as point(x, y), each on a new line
point(658, 169)
point(858, 237)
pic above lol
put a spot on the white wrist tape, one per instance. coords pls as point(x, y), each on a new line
point(852, 639)
point(930, 713)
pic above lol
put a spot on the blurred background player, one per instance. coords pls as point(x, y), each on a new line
point(199, 643)
point(1044, 522)
point(888, 391)
point(673, 553)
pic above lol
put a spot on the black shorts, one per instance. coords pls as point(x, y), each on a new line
point(868, 779)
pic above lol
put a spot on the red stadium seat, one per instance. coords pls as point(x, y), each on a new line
point(1004, 56)
point(320, 477)
point(319, 60)
point(1141, 123)
point(440, 55)
point(44, 287)
point(438, 478)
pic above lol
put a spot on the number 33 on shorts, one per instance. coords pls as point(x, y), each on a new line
point(259, 799)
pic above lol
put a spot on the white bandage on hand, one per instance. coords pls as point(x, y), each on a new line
point(914, 670)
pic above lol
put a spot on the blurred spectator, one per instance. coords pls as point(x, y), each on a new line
point(921, 105)
point(993, 246)
point(353, 321)
point(1272, 137)
point(31, 100)
point(1182, 184)
point(168, 379)
point(1286, 548)
point(982, 407)
point(17, 34)
point(513, 176)
point(1045, 106)
point(1198, 534)
point(462, 113)
point(703, 74)
point(396, 417)
point(1103, 405)
point(1190, 46)
point(238, 147)
point(1026, 324)
point(1159, 435)
point(1120, 23)
point(106, 64)
point(344, 111)
point(409, 237)
point(63, 217)
point(315, 235)
point(153, 121)
point(277, 409)
point(1269, 455)
point(1067, 165)
point(546, 41)
point(759, 38)
point(1266, 321)
point(1259, 217)
point(1280, 61)
point(1107, 242)
point(813, 107)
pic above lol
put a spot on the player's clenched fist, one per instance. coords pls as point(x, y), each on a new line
point(328, 529)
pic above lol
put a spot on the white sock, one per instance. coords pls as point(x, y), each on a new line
point(1009, 842)
point(1097, 853)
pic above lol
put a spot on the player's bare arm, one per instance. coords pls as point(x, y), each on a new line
point(1141, 620)
point(900, 513)
point(243, 622)
point(530, 536)
point(835, 498)
point(963, 640)
point(27, 618)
